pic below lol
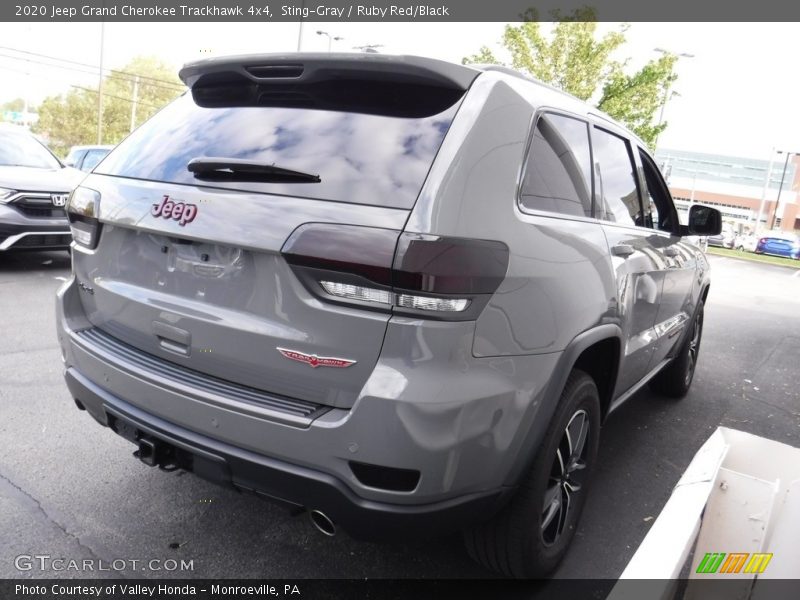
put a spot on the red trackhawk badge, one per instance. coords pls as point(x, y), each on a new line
point(314, 361)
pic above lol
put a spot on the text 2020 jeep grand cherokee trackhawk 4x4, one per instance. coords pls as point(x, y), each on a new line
point(398, 292)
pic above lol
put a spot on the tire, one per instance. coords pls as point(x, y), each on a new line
point(676, 378)
point(527, 539)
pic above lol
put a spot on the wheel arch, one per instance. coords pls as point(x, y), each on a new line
point(601, 362)
point(597, 352)
point(704, 293)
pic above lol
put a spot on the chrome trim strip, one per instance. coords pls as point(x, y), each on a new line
point(161, 374)
point(671, 326)
point(19, 195)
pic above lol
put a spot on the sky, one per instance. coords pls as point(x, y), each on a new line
point(737, 96)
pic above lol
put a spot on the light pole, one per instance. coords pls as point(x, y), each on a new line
point(300, 30)
point(765, 190)
point(667, 95)
point(100, 85)
point(330, 39)
point(780, 187)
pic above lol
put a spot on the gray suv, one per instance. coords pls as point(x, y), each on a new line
point(34, 186)
point(399, 293)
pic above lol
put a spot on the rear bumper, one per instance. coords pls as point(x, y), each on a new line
point(463, 425)
point(235, 467)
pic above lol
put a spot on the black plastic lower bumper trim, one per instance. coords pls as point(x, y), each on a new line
point(235, 467)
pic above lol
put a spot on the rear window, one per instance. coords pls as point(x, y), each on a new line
point(361, 158)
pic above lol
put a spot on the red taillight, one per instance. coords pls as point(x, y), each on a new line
point(364, 252)
point(83, 207)
point(447, 265)
point(407, 273)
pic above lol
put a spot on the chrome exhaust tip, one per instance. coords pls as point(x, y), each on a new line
point(322, 522)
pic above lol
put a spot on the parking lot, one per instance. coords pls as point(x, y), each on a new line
point(69, 488)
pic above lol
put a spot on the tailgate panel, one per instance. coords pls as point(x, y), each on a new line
point(215, 295)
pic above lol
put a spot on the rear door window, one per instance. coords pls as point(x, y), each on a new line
point(362, 158)
point(558, 169)
point(615, 179)
point(92, 158)
point(74, 158)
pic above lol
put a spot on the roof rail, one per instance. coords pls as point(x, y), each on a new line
point(592, 111)
point(519, 75)
point(504, 69)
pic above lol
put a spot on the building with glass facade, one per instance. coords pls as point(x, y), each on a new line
point(737, 186)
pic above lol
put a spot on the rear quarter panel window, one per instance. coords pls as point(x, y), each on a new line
point(361, 158)
point(558, 168)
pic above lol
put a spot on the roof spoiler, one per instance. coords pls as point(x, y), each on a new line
point(404, 86)
point(305, 68)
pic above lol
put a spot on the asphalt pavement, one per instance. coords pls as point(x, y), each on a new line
point(71, 489)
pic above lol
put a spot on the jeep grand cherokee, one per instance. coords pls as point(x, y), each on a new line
point(398, 292)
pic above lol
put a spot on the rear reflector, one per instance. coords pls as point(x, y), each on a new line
point(385, 478)
point(411, 274)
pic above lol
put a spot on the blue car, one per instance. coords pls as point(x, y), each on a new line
point(779, 246)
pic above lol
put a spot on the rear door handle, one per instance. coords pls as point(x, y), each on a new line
point(173, 338)
point(623, 250)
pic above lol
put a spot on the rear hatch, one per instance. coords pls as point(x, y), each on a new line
point(195, 208)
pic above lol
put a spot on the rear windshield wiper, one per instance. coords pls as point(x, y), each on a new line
point(235, 169)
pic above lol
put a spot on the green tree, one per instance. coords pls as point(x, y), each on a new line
point(16, 105)
point(574, 59)
point(144, 85)
point(68, 120)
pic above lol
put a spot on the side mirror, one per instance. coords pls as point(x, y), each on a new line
point(703, 220)
point(69, 163)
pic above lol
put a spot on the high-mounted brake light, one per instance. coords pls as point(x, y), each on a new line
point(407, 273)
point(83, 208)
